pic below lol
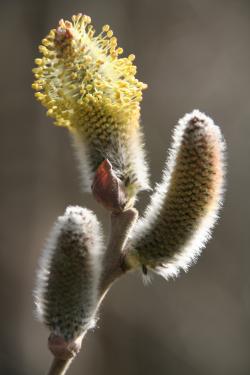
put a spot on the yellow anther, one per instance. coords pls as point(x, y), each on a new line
point(42, 49)
point(37, 70)
point(120, 51)
point(39, 95)
point(38, 61)
point(86, 19)
point(50, 112)
point(131, 57)
point(46, 42)
point(105, 28)
point(110, 33)
point(35, 86)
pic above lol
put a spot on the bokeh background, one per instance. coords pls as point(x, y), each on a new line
point(193, 54)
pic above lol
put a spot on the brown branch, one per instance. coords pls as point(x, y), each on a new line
point(59, 366)
point(120, 226)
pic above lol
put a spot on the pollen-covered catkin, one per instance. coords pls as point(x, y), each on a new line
point(184, 207)
point(87, 87)
point(68, 278)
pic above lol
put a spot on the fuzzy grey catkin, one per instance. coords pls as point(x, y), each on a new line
point(184, 207)
point(68, 278)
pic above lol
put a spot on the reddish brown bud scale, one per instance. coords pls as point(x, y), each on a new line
point(63, 349)
point(108, 189)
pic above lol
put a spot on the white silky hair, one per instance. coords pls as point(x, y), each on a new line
point(126, 159)
point(82, 155)
point(189, 252)
point(130, 159)
point(80, 221)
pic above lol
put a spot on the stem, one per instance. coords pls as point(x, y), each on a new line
point(59, 366)
point(120, 226)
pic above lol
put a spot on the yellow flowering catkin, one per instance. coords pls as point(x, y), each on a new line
point(87, 87)
point(184, 207)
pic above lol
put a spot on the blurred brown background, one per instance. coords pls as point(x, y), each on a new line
point(193, 54)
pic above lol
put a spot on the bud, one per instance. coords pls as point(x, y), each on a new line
point(89, 89)
point(184, 206)
point(108, 189)
point(68, 279)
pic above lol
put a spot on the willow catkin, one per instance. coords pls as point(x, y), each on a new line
point(184, 206)
point(68, 278)
point(87, 87)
